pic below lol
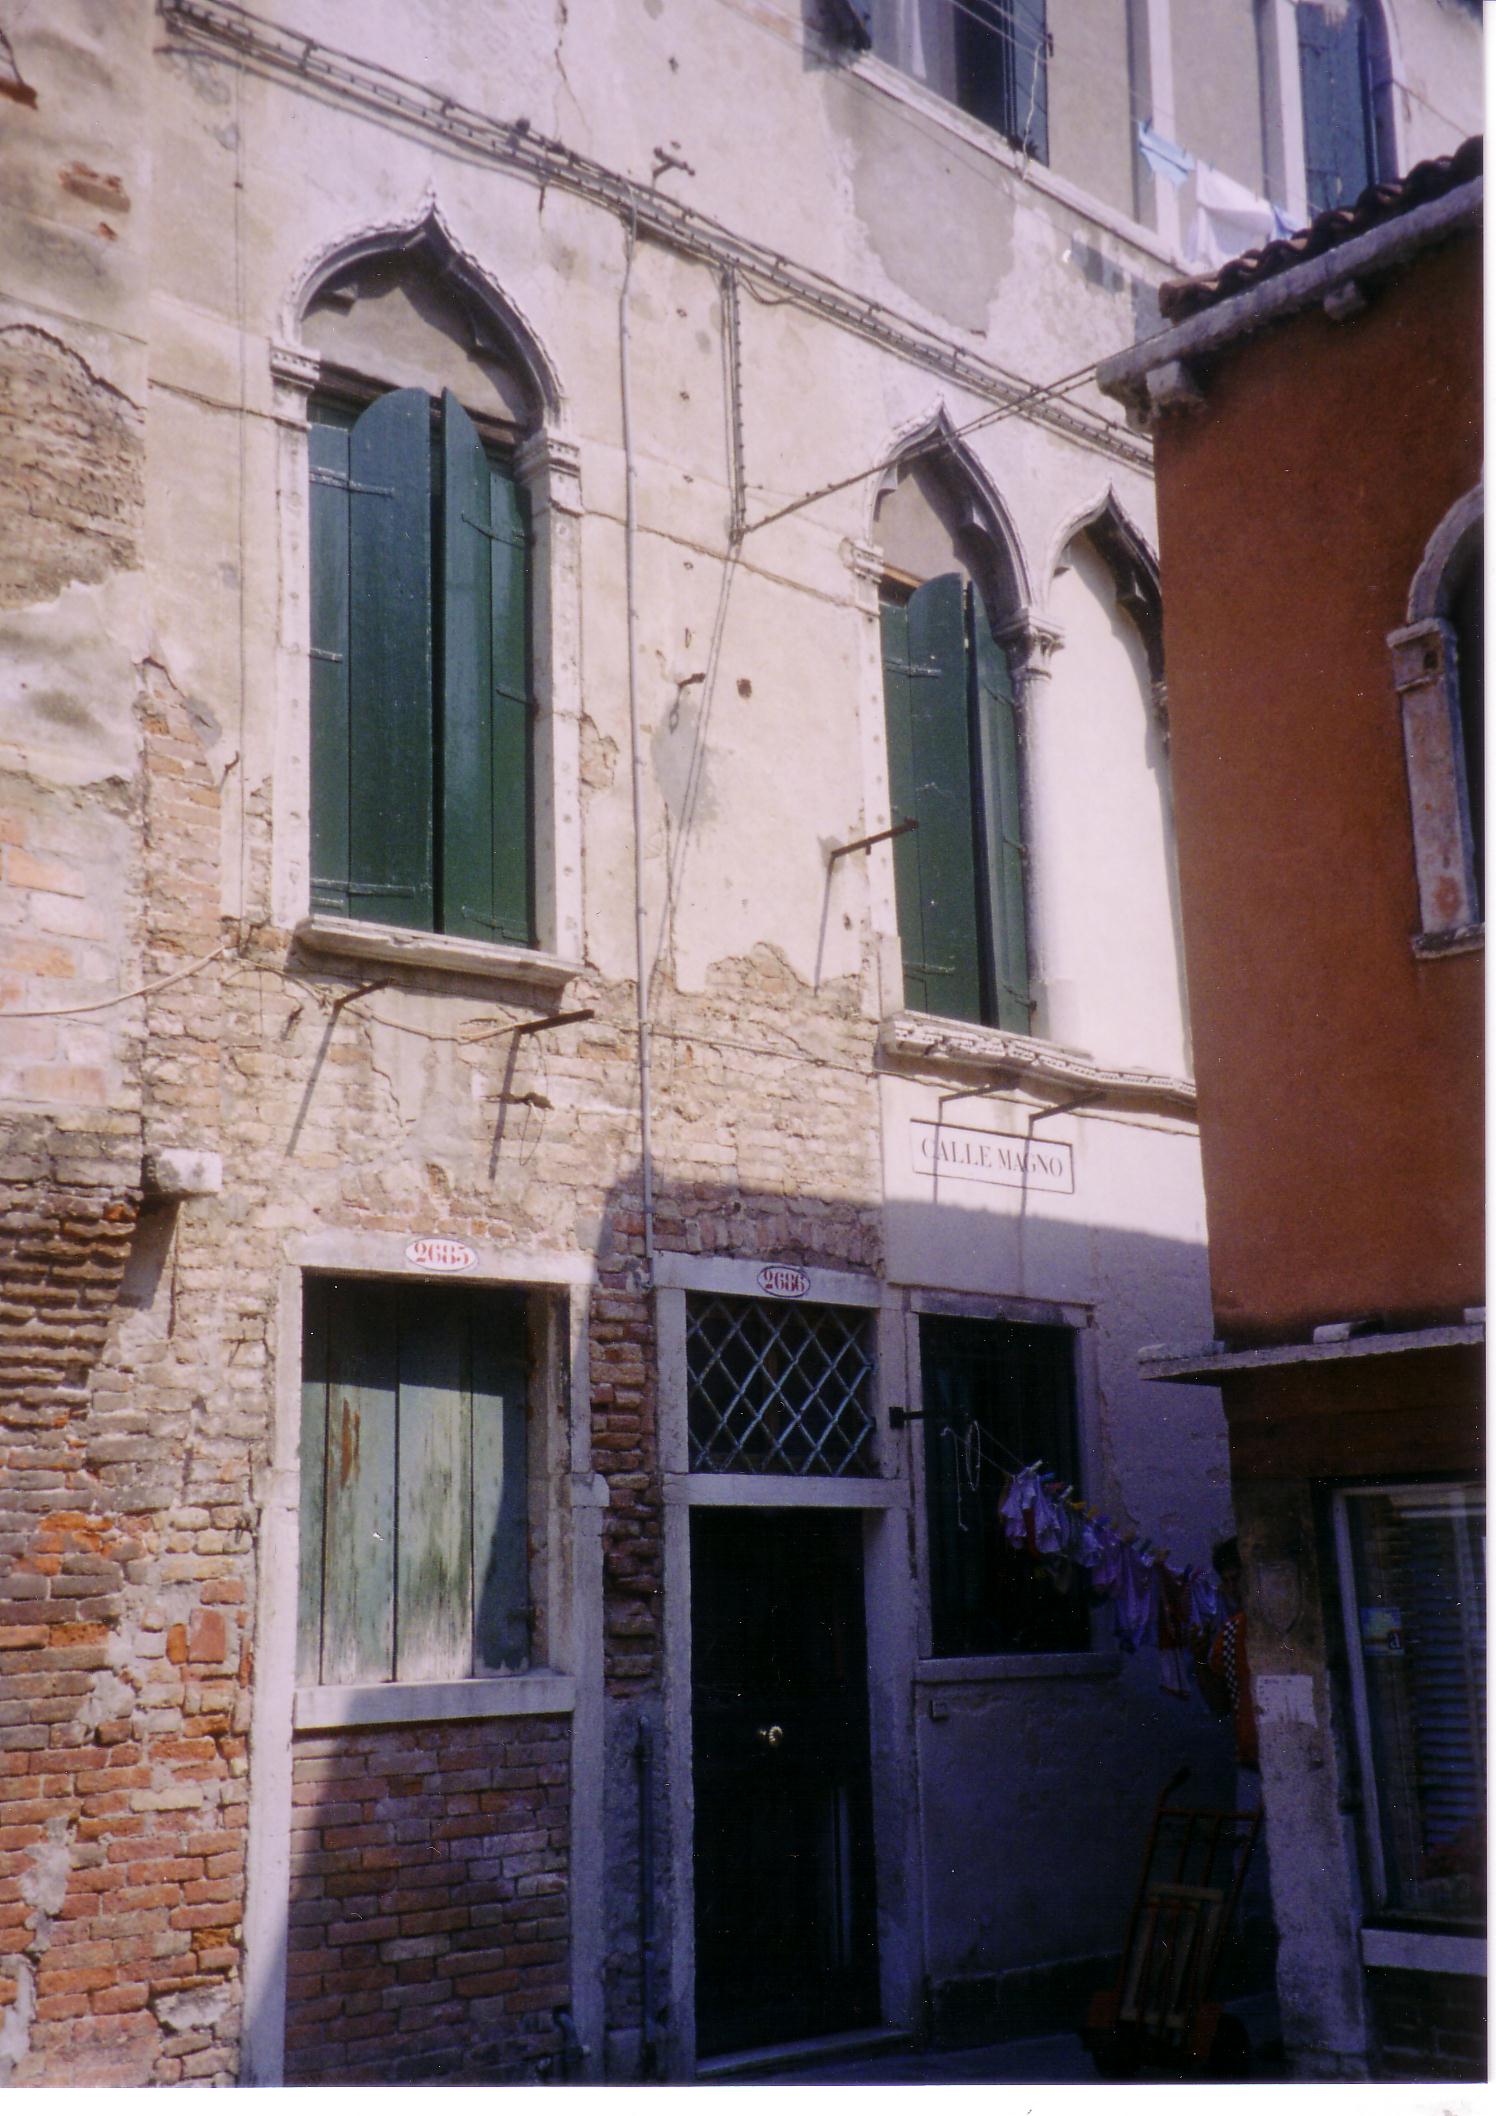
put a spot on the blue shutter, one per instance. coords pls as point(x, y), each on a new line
point(1336, 91)
point(853, 19)
point(1029, 34)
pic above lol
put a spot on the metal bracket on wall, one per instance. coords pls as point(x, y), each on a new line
point(895, 830)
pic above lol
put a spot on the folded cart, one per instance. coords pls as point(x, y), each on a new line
point(1161, 2012)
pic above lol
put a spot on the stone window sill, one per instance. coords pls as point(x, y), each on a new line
point(968, 1048)
point(403, 1704)
point(1404, 1947)
point(436, 951)
point(1455, 940)
point(1016, 1667)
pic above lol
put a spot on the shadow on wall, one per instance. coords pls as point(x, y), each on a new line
point(430, 1916)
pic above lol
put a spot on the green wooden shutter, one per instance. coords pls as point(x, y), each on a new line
point(501, 1558)
point(1000, 807)
point(390, 852)
point(485, 723)
point(315, 1378)
point(930, 779)
point(358, 1559)
point(433, 1508)
point(327, 438)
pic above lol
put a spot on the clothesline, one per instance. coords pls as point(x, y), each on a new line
point(1181, 1608)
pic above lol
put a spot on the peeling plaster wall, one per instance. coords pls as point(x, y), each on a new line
point(163, 204)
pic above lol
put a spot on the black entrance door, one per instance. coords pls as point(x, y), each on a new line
point(786, 1945)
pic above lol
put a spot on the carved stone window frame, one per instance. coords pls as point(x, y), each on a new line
point(1425, 673)
point(547, 463)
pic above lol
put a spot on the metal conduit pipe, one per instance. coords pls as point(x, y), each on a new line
point(636, 747)
point(644, 1764)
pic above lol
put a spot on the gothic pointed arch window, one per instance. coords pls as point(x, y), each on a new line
point(954, 766)
point(423, 695)
point(1438, 666)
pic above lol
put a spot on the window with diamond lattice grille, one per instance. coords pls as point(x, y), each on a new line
point(779, 1390)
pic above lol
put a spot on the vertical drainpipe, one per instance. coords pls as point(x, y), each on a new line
point(644, 1764)
point(630, 569)
point(644, 1744)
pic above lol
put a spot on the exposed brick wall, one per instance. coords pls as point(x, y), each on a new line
point(126, 1527)
point(71, 451)
point(428, 1917)
point(121, 1756)
point(1428, 2026)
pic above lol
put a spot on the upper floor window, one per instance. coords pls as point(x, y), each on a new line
point(421, 700)
point(953, 768)
point(988, 57)
point(422, 694)
point(1438, 666)
point(1342, 87)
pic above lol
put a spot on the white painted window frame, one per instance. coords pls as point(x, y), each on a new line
point(1386, 1946)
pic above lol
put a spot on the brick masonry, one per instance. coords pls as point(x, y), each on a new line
point(428, 1916)
point(71, 458)
point(1427, 2026)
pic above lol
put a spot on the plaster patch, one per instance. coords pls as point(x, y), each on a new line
point(15, 2028)
point(958, 285)
point(1285, 1700)
point(199, 2008)
point(45, 1882)
point(68, 678)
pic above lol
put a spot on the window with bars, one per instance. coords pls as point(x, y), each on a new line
point(997, 1396)
point(778, 1389)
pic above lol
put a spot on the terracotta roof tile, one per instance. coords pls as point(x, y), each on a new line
point(1180, 298)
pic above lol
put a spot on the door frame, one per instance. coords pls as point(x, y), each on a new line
point(889, 1588)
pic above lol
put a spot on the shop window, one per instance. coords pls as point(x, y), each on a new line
point(415, 1558)
point(998, 1396)
point(1412, 1561)
point(1342, 86)
point(779, 1389)
point(953, 770)
point(988, 57)
point(421, 691)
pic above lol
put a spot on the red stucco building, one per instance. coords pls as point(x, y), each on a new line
point(1317, 415)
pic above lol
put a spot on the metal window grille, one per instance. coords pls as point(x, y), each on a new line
point(779, 1390)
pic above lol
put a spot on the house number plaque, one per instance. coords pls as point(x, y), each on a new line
point(432, 1252)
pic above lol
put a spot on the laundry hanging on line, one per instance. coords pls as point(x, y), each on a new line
point(1181, 1609)
point(1228, 217)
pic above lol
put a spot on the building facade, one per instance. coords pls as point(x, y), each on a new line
point(1327, 673)
point(538, 1210)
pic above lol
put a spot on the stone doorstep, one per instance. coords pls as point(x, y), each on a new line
point(856, 2043)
